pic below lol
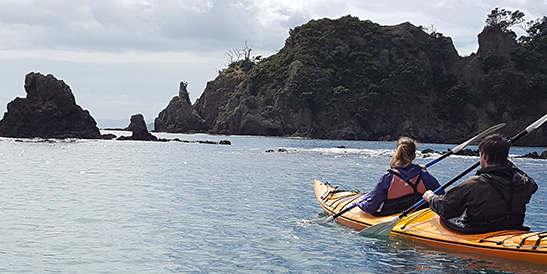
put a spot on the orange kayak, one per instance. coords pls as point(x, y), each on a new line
point(425, 226)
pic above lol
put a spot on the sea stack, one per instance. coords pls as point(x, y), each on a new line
point(138, 127)
point(48, 111)
point(180, 115)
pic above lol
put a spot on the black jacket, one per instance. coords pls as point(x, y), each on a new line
point(494, 199)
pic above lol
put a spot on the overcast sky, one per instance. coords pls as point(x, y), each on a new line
point(125, 57)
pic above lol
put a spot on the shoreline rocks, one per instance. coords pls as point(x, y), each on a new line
point(468, 152)
point(535, 155)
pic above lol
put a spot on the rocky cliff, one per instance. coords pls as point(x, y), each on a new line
point(48, 111)
point(353, 79)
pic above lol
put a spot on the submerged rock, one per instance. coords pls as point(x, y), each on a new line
point(48, 111)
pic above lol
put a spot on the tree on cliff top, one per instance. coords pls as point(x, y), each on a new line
point(535, 44)
point(537, 31)
point(241, 59)
point(503, 19)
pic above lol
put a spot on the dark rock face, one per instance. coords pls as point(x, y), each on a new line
point(535, 155)
point(353, 79)
point(138, 127)
point(218, 94)
point(179, 115)
point(48, 111)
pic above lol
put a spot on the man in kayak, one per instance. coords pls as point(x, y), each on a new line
point(402, 186)
point(494, 199)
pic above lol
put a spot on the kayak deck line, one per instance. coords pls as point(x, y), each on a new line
point(351, 199)
point(523, 249)
point(414, 218)
point(540, 236)
point(330, 209)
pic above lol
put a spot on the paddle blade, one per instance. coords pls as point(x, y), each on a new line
point(477, 137)
point(331, 218)
point(328, 220)
point(382, 229)
point(536, 124)
point(323, 221)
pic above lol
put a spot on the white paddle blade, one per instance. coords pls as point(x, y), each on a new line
point(478, 136)
point(328, 220)
point(536, 124)
point(382, 229)
point(322, 221)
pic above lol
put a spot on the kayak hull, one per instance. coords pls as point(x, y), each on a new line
point(425, 226)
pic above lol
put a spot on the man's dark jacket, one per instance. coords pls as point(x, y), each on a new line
point(494, 199)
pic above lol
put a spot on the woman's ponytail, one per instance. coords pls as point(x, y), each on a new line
point(405, 153)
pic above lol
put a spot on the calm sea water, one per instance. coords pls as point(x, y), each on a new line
point(89, 206)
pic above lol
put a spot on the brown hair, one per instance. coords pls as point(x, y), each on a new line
point(405, 153)
point(496, 149)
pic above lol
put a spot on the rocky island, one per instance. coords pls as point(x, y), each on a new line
point(354, 79)
point(137, 126)
point(48, 111)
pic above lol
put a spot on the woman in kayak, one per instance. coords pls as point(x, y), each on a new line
point(402, 185)
point(494, 199)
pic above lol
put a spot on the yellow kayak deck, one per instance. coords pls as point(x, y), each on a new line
point(425, 226)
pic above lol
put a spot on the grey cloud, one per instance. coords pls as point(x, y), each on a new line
point(137, 25)
point(190, 25)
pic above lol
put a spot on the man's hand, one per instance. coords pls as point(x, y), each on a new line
point(427, 195)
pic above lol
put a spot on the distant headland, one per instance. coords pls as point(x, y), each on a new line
point(357, 80)
point(339, 79)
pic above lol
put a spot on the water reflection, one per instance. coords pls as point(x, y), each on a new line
point(408, 256)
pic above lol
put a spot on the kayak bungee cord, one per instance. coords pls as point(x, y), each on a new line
point(329, 193)
point(539, 235)
point(414, 218)
point(357, 197)
point(341, 200)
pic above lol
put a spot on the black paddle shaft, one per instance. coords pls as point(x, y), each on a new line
point(447, 184)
